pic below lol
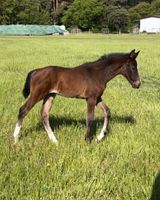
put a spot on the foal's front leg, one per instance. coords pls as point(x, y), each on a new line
point(90, 118)
point(107, 115)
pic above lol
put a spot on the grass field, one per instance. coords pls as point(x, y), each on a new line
point(122, 167)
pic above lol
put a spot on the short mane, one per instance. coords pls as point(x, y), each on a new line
point(107, 58)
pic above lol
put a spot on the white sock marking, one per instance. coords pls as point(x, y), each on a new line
point(50, 132)
point(17, 132)
point(52, 137)
point(103, 131)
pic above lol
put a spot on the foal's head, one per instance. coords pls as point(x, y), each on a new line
point(130, 71)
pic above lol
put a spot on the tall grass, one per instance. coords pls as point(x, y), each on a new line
point(122, 167)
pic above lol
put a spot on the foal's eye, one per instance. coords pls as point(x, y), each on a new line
point(133, 68)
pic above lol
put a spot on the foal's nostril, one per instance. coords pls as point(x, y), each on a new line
point(136, 84)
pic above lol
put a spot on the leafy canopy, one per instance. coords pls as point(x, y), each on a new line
point(84, 14)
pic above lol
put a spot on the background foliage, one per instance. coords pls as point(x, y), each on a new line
point(117, 15)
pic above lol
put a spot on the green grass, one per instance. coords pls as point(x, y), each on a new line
point(122, 167)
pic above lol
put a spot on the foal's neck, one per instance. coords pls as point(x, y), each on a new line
point(112, 70)
point(109, 70)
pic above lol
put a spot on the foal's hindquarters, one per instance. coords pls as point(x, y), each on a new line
point(36, 89)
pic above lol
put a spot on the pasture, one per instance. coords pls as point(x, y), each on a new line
point(122, 167)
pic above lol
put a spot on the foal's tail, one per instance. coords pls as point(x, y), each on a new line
point(26, 89)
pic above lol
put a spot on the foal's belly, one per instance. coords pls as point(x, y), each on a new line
point(69, 88)
point(69, 83)
point(68, 94)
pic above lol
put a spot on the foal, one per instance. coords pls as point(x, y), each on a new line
point(87, 81)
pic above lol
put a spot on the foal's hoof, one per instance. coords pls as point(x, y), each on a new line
point(88, 139)
point(54, 141)
point(97, 140)
point(16, 139)
point(101, 136)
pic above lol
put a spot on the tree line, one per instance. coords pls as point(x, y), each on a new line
point(116, 15)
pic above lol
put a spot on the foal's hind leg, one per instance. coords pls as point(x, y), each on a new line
point(107, 115)
point(22, 113)
point(46, 107)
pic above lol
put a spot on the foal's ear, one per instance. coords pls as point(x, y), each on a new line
point(137, 53)
point(133, 54)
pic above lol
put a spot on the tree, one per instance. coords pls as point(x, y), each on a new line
point(132, 3)
point(8, 11)
point(25, 12)
point(118, 19)
point(141, 10)
point(86, 14)
point(115, 2)
point(156, 7)
point(58, 9)
point(34, 12)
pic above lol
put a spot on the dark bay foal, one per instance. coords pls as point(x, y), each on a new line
point(87, 81)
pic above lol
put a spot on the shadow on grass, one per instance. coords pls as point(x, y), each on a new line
point(57, 122)
point(156, 188)
point(123, 119)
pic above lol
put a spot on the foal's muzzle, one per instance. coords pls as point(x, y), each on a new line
point(136, 84)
